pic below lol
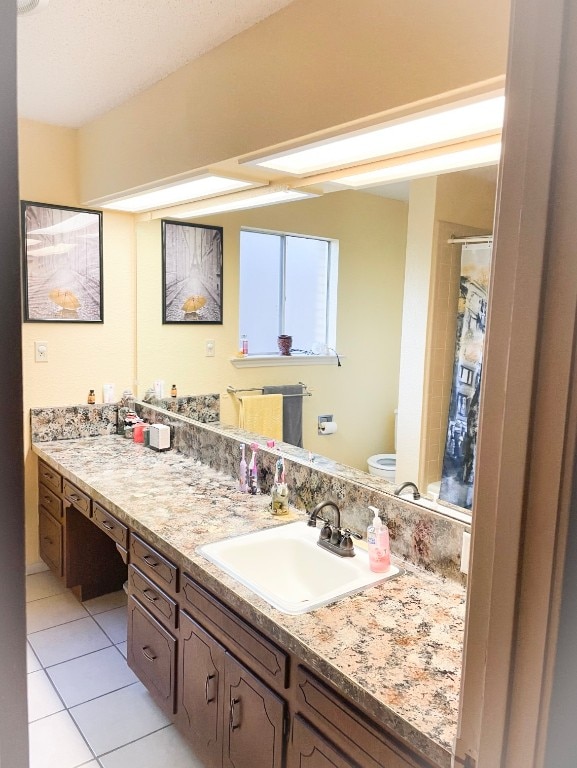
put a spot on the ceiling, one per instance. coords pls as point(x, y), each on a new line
point(77, 59)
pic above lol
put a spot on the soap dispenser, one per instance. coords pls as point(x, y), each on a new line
point(378, 544)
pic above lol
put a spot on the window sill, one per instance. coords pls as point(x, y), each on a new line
point(265, 361)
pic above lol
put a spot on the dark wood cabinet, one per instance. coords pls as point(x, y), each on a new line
point(201, 691)
point(152, 655)
point(254, 733)
point(310, 749)
point(230, 717)
point(50, 540)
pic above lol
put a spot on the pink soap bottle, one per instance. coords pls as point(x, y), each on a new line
point(378, 543)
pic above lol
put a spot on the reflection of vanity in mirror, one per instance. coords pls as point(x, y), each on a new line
point(396, 320)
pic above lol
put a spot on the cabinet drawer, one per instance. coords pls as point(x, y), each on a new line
point(153, 564)
point(110, 525)
point(349, 728)
point(152, 655)
point(78, 499)
point(50, 540)
point(50, 501)
point(255, 650)
point(156, 601)
point(49, 477)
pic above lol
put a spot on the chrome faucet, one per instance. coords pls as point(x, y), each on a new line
point(416, 494)
point(313, 515)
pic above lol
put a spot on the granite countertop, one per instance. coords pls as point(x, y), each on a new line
point(394, 649)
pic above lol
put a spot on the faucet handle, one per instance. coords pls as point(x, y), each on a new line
point(346, 542)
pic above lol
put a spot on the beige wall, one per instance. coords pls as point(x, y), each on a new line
point(362, 394)
point(314, 65)
point(80, 356)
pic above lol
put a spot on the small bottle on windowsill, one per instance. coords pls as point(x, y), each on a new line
point(91, 397)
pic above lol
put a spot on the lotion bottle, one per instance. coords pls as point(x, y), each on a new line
point(378, 544)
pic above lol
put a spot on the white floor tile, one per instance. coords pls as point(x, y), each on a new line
point(165, 747)
point(68, 641)
point(123, 648)
point(114, 623)
point(32, 663)
point(51, 611)
point(55, 742)
point(118, 718)
point(42, 698)
point(106, 602)
point(43, 584)
point(87, 677)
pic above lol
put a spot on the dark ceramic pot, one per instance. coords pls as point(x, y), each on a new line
point(284, 344)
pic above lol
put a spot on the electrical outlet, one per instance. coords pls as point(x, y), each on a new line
point(40, 351)
point(465, 552)
point(209, 348)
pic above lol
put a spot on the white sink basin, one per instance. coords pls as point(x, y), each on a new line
point(285, 566)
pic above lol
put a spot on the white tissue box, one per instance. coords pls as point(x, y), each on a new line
point(159, 435)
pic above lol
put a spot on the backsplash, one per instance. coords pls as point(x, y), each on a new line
point(425, 538)
point(72, 421)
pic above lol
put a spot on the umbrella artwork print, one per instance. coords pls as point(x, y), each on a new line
point(62, 263)
point(191, 273)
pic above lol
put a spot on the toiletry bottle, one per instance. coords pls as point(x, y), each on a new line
point(244, 344)
point(253, 471)
point(378, 543)
point(173, 390)
point(91, 397)
point(242, 472)
point(279, 491)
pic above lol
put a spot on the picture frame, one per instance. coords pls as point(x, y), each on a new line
point(62, 264)
point(192, 272)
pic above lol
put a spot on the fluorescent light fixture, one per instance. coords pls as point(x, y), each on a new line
point(268, 196)
point(475, 157)
point(453, 123)
point(206, 185)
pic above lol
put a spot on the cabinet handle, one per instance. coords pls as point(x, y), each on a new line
point(106, 524)
point(149, 561)
point(74, 497)
point(47, 499)
point(234, 714)
point(210, 683)
point(150, 599)
point(48, 539)
point(48, 475)
point(148, 656)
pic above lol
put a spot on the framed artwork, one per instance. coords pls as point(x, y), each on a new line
point(62, 254)
point(191, 273)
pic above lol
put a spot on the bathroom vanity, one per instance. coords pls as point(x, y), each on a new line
point(369, 682)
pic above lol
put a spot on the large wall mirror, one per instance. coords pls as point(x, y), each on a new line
point(398, 291)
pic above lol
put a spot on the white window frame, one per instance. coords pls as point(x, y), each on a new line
point(332, 282)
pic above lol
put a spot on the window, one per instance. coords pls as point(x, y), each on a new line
point(287, 286)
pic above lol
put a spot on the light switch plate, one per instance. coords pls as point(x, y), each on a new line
point(40, 351)
point(209, 348)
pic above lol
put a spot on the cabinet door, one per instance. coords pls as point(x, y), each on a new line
point(254, 720)
point(152, 655)
point(200, 686)
point(310, 749)
point(50, 539)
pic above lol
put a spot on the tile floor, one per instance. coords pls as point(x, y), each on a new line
point(86, 707)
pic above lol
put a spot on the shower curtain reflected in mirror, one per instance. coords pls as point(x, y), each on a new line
point(458, 477)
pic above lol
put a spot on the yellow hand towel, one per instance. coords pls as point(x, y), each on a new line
point(262, 414)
